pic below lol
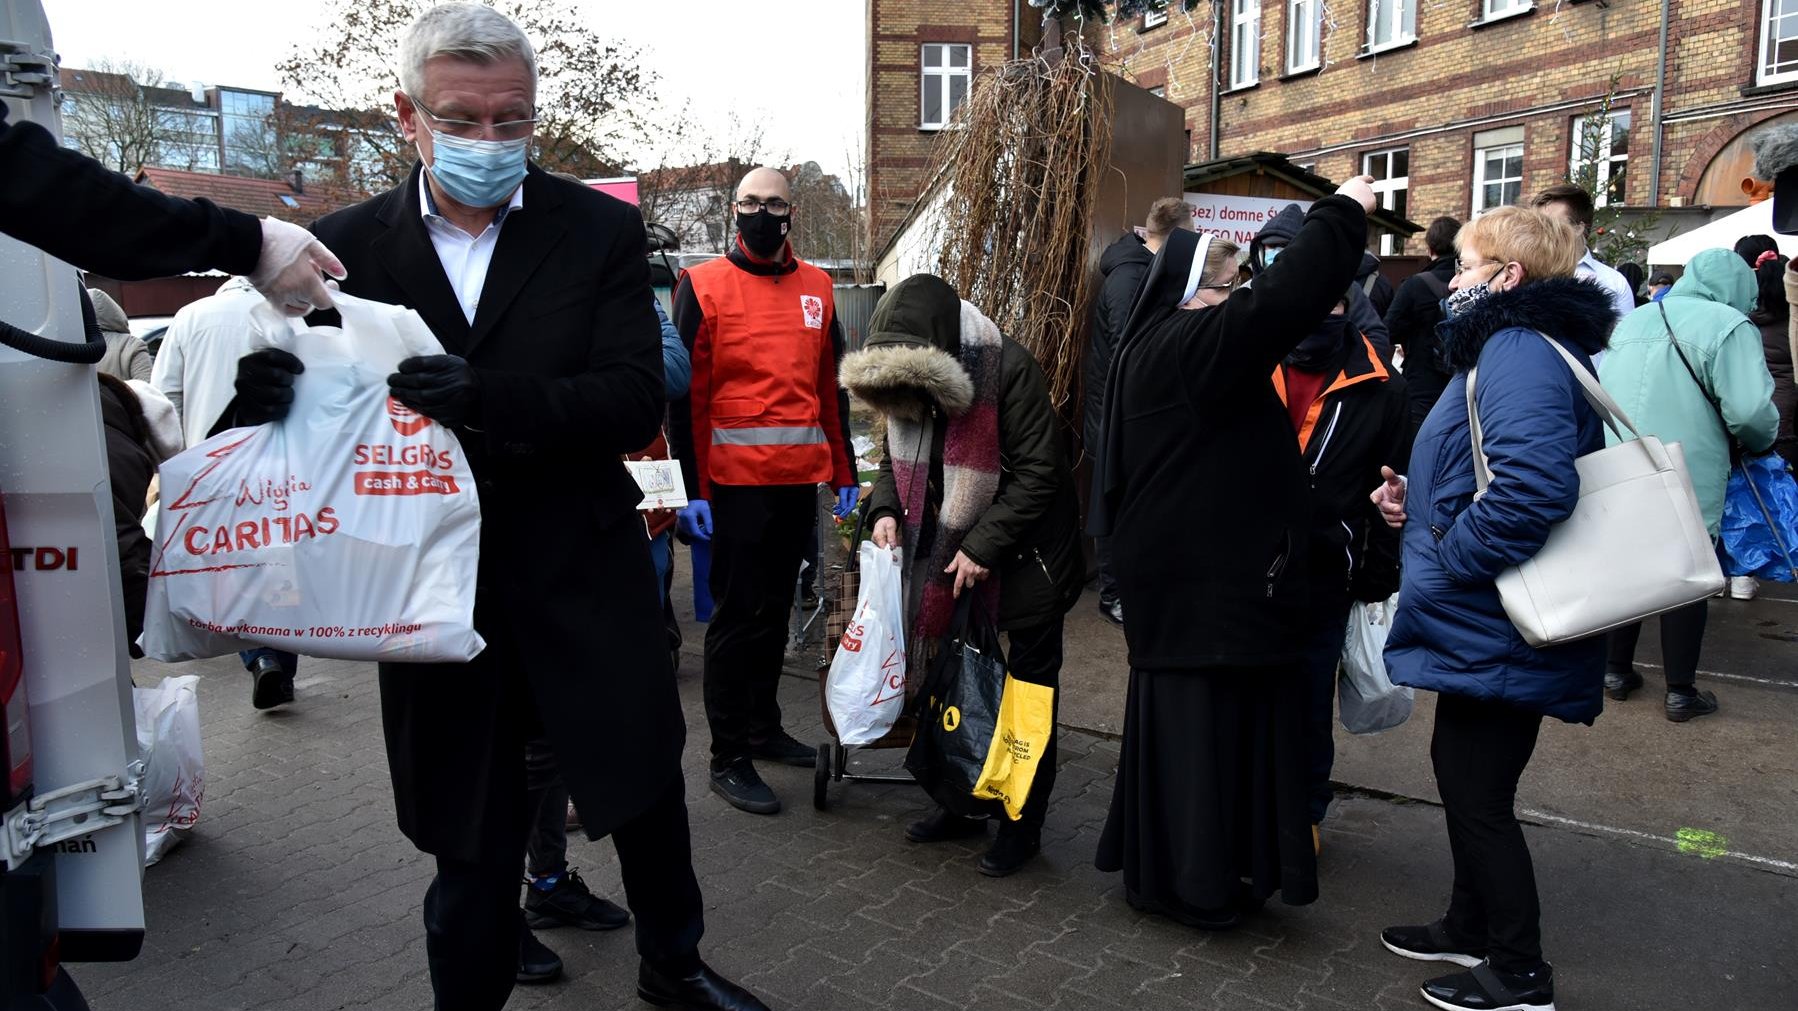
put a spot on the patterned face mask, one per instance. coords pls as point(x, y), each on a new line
point(1462, 300)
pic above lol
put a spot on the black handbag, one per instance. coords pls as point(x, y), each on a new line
point(958, 711)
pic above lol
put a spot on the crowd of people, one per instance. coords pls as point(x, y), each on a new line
point(1307, 427)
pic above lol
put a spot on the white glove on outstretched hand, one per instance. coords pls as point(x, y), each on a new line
point(288, 271)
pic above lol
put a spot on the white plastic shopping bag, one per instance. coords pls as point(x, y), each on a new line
point(1368, 700)
point(349, 530)
point(168, 741)
point(865, 689)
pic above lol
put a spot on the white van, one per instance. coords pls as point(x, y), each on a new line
point(71, 851)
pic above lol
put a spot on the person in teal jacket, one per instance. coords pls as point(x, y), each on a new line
point(1727, 394)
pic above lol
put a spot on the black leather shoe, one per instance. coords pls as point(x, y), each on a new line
point(1618, 685)
point(1432, 943)
point(742, 786)
point(570, 904)
point(1484, 988)
point(1113, 611)
point(1681, 708)
point(270, 686)
point(1012, 849)
point(784, 749)
point(942, 826)
point(536, 963)
point(700, 990)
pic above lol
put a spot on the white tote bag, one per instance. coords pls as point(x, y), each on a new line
point(865, 689)
point(349, 530)
point(1635, 546)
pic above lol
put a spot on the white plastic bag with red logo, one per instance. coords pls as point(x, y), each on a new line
point(348, 530)
point(865, 689)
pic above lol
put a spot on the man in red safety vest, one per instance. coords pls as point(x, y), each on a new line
point(763, 425)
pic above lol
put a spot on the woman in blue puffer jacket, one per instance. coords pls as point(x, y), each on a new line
point(1514, 284)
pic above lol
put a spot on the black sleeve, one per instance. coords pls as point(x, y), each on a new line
point(1262, 323)
point(840, 345)
point(688, 318)
point(1377, 577)
point(70, 206)
point(1111, 311)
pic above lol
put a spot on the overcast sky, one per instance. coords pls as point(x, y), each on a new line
point(796, 65)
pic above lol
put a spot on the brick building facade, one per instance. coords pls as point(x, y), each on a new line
point(1454, 106)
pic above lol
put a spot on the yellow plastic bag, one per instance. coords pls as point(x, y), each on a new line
point(1026, 719)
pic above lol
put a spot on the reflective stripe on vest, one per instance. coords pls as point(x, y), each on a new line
point(801, 435)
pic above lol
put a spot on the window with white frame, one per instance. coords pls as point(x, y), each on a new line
point(1497, 168)
point(1391, 23)
point(1601, 157)
point(1779, 42)
point(1391, 171)
point(947, 70)
point(1245, 42)
point(1304, 35)
point(1492, 10)
point(1154, 19)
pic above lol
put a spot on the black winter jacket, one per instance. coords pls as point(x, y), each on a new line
point(129, 467)
point(1210, 523)
point(1283, 226)
point(1122, 266)
point(1356, 426)
point(1416, 309)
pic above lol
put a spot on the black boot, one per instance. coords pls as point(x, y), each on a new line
point(941, 826)
point(1012, 849)
point(1682, 707)
point(536, 963)
point(699, 990)
point(1618, 684)
point(270, 686)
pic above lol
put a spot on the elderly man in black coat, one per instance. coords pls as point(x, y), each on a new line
point(538, 289)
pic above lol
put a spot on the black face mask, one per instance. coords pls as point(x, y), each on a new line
point(764, 233)
point(1318, 351)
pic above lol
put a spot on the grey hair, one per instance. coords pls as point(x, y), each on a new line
point(465, 31)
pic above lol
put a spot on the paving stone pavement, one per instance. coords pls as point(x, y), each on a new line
point(297, 893)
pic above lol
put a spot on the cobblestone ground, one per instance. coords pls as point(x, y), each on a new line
point(297, 892)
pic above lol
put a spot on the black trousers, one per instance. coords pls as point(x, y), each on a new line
point(1035, 655)
point(1323, 657)
point(759, 536)
point(1479, 750)
point(1682, 636)
point(1108, 583)
point(473, 922)
point(546, 849)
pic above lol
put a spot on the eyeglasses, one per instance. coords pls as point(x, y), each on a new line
point(777, 207)
point(463, 129)
point(1462, 268)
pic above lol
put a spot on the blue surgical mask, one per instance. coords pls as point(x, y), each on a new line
point(1269, 254)
point(478, 173)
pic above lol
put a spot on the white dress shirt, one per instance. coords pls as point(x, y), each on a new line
point(465, 257)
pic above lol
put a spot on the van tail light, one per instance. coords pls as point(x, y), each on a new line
point(15, 742)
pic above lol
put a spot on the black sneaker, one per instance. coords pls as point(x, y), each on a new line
point(570, 904)
point(270, 686)
point(536, 963)
point(784, 749)
point(1113, 611)
point(742, 786)
point(1618, 684)
point(1484, 988)
point(1681, 708)
point(1432, 943)
point(941, 826)
point(1012, 849)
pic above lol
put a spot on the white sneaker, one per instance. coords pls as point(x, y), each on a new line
point(1743, 587)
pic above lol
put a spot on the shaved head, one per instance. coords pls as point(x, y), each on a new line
point(765, 183)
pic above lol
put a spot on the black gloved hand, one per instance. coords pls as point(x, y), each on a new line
point(443, 388)
point(265, 385)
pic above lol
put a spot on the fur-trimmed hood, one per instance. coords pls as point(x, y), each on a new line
point(912, 355)
point(1571, 309)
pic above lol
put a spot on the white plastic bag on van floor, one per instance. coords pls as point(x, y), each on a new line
point(348, 530)
point(865, 689)
point(1367, 699)
point(168, 741)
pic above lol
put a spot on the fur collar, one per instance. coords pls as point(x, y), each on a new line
point(1576, 311)
point(890, 378)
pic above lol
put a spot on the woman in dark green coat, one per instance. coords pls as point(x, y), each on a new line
point(975, 486)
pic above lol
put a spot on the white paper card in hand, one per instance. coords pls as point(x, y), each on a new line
point(661, 483)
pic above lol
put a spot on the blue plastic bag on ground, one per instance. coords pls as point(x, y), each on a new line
point(1760, 520)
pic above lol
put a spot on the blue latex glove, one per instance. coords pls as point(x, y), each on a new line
point(846, 500)
point(695, 521)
